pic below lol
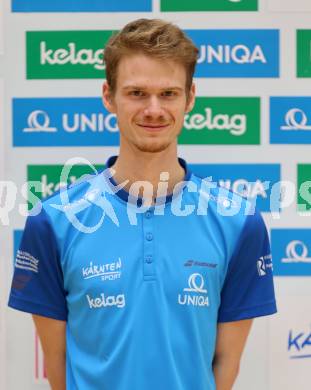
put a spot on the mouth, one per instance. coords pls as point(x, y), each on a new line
point(152, 127)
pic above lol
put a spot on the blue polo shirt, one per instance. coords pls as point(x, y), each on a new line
point(143, 288)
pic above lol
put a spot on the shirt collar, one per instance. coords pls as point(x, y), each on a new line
point(123, 194)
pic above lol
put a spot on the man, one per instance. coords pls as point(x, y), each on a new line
point(161, 295)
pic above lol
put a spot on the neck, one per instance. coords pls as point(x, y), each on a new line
point(148, 167)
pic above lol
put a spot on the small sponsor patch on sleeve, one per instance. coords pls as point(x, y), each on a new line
point(26, 261)
point(264, 264)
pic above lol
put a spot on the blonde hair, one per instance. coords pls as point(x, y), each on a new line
point(152, 37)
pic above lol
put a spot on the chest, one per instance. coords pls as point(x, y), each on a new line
point(186, 260)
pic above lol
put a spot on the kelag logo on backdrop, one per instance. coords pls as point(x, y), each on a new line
point(253, 181)
point(81, 6)
point(304, 187)
point(290, 120)
point(237, 53)
point(291, 252)
point(303, 53)
point(63, 122)
point(218, 120)
point(66, 54)
point(209, 5)
point(49, 178)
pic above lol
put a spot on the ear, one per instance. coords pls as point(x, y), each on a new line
point(107, 98)
point(190, 99)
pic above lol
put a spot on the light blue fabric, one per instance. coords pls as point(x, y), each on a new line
point(142, 301)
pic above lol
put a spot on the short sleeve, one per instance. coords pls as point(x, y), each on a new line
point(248, 289)
point(37, 285)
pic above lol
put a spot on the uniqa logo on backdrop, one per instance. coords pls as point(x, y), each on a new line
point(253, 181)
point(292, 123)
point(81, 6)
point(237, 53)
point(299, 344)
point(296, 252)
point(290, 120)
point(223, 120)
point(291, 249)
point(63, 122)
point(209, 5)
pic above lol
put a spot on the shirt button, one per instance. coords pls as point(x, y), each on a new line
point(148, 259)
point(148, 214)
point(149, 236)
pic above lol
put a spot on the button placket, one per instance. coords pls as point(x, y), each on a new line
point(148, 246)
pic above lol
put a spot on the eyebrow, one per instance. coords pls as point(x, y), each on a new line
point(140, 87)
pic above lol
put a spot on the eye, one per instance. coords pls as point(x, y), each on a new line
point(136, 92)
point(169, 93)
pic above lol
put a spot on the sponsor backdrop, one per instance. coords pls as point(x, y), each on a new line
point(2, 241)
point(250, 129)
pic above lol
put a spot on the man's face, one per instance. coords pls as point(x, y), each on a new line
point(150, 102)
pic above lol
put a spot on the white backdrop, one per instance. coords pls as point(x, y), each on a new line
point(266, 355)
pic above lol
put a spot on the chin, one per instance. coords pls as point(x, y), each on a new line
point(152, 147)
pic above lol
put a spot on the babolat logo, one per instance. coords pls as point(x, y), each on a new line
point(291, 250)
point(48, 181)
point(195, 263)
point(252, 181)
point(237, 53)
point(198, 296)
point(304, 188)
point(66, 54)
point(299, 344)
point(218, 120)
point(106, 301)
point(63, 122)
point(290, 120)
point(81, 6)
point(209, 5)
point(303, 53)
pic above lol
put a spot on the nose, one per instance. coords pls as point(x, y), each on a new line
point(153, 107)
